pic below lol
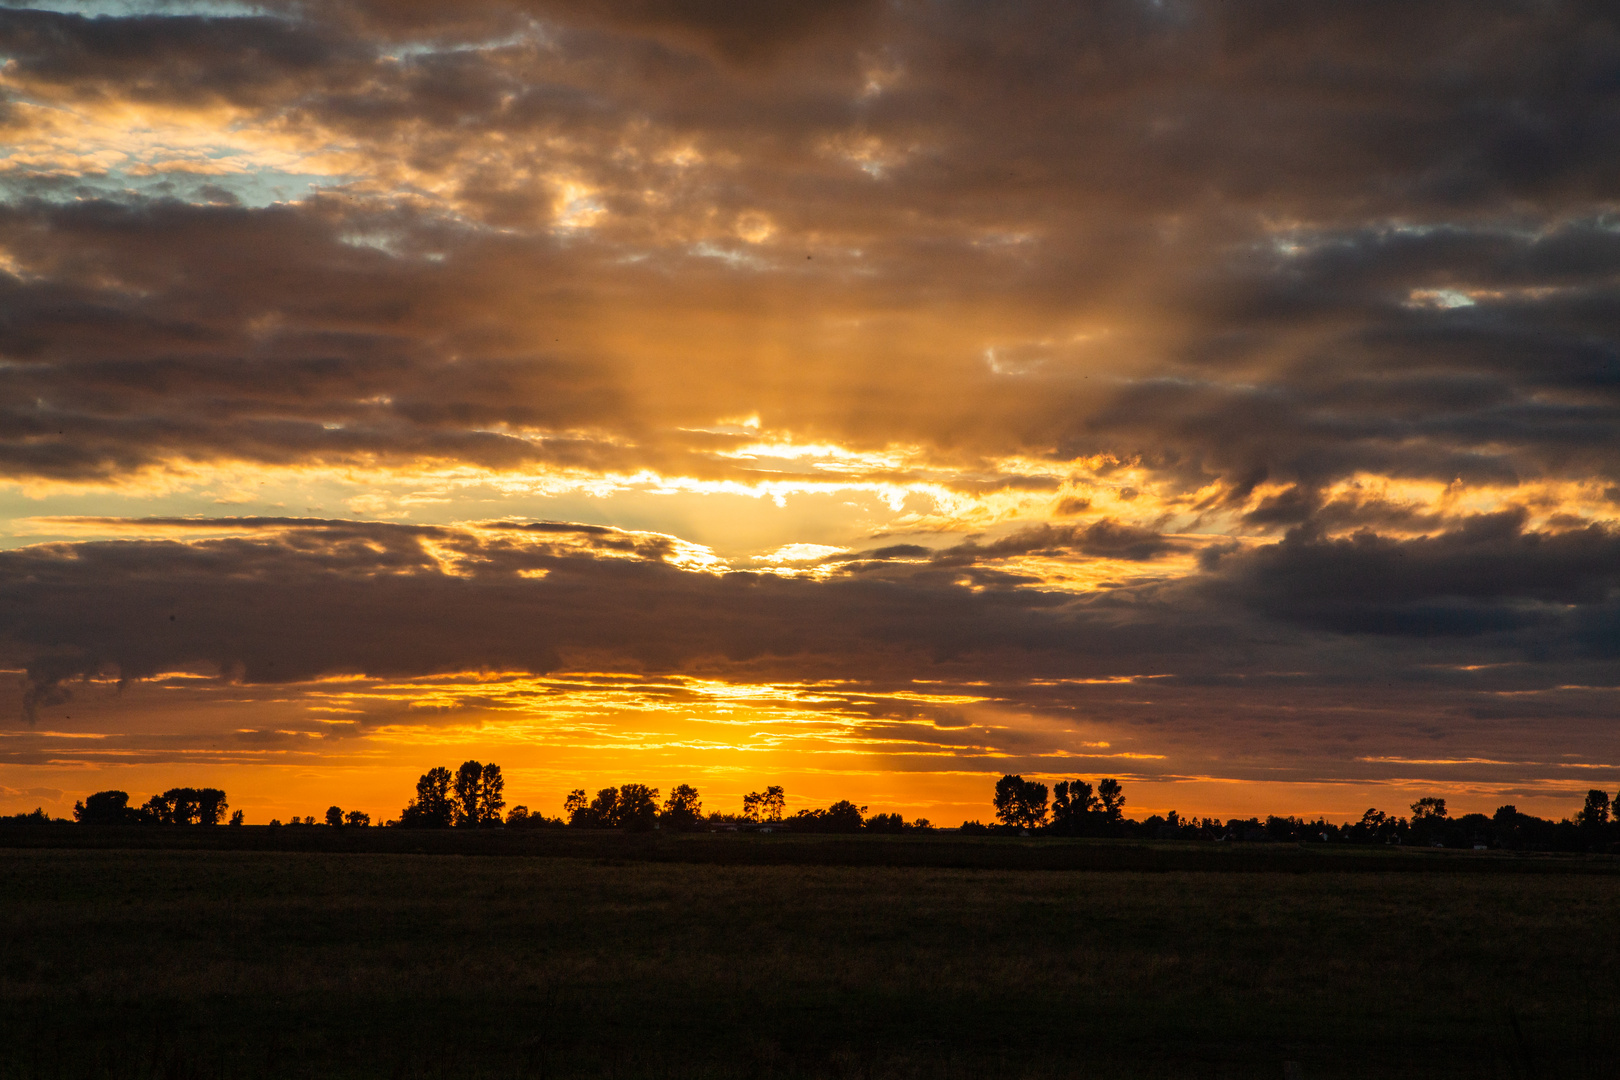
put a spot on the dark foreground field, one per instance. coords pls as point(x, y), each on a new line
point(233, 963)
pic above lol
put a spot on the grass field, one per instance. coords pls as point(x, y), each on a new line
point(619, 961)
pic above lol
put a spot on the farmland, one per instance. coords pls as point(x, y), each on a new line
point(740, 957)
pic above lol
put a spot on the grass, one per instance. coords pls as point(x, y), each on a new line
point(243, 963)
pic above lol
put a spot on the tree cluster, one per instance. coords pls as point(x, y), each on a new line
point(472, 797)
point(177, 806)
point(1076, 808)
point(634, 807)
point(354, 819)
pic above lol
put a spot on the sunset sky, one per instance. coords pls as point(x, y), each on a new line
point(868, 398)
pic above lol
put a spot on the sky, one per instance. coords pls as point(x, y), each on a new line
point(871, 398)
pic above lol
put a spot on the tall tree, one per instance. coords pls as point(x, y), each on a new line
point(1112, 798)
point(211, 806)
point(767, 805)
point(683, 808)
point(432, 808)
point(469, 793)
point(1073, 803)
point(603, 813)
point(1428, 808)
point(843, 816)
point(577, 807)
point(1429, 821)
point(492, 798)
point(1020, 803)
point(638, 807)
point(1595, 814)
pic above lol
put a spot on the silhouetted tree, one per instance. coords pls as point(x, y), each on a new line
point(185, 806)
point(603, 813)
point(334, 817)
point(1282, 829)
point(1375, 827)
point(105, 808)
point(577, 807)
point(1020, 803)
point(1112, 798)
point(492, 796)
point(522, 818)
point(37, 816)
point(237, 818)
point(638, 807)
point(767, 805)
point(885, 823)
point(469, 794)
point(177, 806)
point(842, 816)
point(432, 808)
point(1429, 820)
point(1595, 814)
point(1073, 805)
point(359, 819)
point(156, 811)
point(211, 806)
point(683, 809)
point(1427, 808)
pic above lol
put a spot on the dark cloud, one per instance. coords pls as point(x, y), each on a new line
point(1488, 575)
point(1104, 538)
point(746, 32)
point(172, 58)
point(1251, 200)
point(290, 600)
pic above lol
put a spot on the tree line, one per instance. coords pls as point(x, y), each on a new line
point(474, 797)
point(1076, 808)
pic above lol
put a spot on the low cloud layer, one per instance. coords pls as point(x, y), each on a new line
point(1390, 624)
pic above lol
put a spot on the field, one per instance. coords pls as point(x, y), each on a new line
point(747, 957)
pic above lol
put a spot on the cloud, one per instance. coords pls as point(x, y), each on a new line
point(375, 326)
point(292, 600)
point(1487, 575)
point(295, 600)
